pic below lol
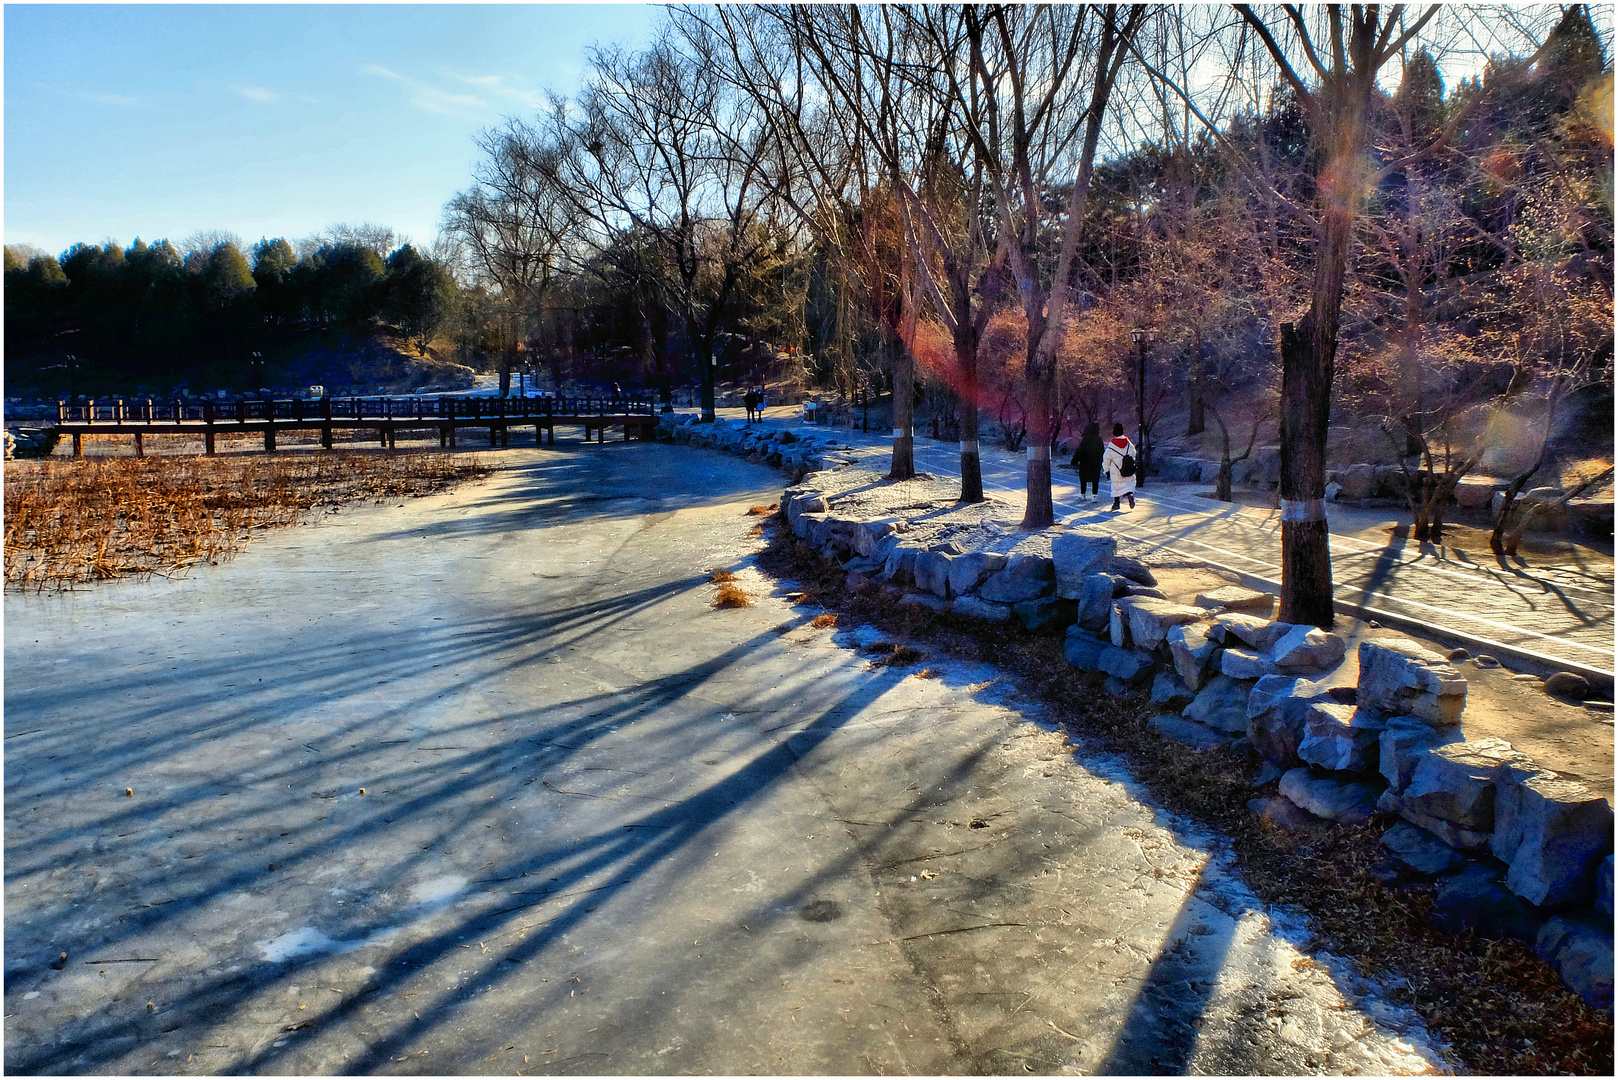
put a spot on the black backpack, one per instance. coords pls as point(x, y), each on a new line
point(1127, 466)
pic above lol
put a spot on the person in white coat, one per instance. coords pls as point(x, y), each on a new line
point(1112, 460)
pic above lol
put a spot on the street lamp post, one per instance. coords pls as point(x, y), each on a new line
point(1138, 335)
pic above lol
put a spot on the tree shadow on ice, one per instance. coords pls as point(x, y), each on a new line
point(405, 797)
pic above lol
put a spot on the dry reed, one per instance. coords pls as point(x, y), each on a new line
point(68, 522)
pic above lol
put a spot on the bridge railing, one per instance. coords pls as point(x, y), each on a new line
point(125, 411)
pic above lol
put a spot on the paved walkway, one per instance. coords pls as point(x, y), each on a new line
point(1563, 612)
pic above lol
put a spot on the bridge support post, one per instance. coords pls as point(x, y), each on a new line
point(207, 441)
point(393, 438)
point(494, 435)
point(140, 444)
point(325, 436)
point(382, 435)
point(505, 435)
point(452, 434)
point(269, 440)
point(78, 445)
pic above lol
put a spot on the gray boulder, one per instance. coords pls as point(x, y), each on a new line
point(1118, 623)
point(1474, 900)
point(1126, 665)
point(1580, 948)
point(1083, 649)
point(1455, 783)
point(1044, 615)
point(1151, 619)
point(1124, 566)
point(1192, 734)
point(1095, 601)
point(1179, 469)
point(810, 502)
point(975, 608)
point(931, 603)
point(1554, 834)
point(1421, 851)
point(1256, 633)
point(931, 570)
point(868, 535)
point(1474, 492)
point(804, 526)
point(1391, 482)
point(1276, 708)
point(1238, 663)
point(1264, 466)
point(1169, 690)
point(1193, 652)
point(1280, 813)
point(1569, 685)
point(1235, 598)
point(1342, 738)
point(1352, 804)
point(1221, 704)
point(1023, 577)
point(1404, 742)
point(1357, 482)
point(901, 564)
point(1073, 554)
point(967, 571)
point(1306, 649)
point(1400, 678)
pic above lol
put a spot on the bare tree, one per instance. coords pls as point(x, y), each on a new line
point(512, 228)
point(828, 82)
point(658, 143)
point(1035, 91)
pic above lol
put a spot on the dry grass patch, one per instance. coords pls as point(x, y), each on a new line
point(764, 511)
point(903, 656)
point(730, 596)
point(94, 519)
point(925, 673)
point(720, 576)
point(824, 622)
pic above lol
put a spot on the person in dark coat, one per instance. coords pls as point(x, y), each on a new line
point(750, 399)
point(1087, 459)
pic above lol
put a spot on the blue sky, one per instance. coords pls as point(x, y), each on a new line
point(273, 120)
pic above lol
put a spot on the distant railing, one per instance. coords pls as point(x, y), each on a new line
point(246, 410)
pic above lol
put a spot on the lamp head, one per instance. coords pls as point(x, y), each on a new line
point(1137, 335)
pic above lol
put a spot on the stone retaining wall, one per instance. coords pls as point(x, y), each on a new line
point(1516, 850)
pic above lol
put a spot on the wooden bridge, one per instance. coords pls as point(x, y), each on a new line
point(387, 416)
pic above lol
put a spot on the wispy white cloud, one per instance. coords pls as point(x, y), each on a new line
point(110, 99)
point(427, 98)
point(265, 96)
point(498, 86)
